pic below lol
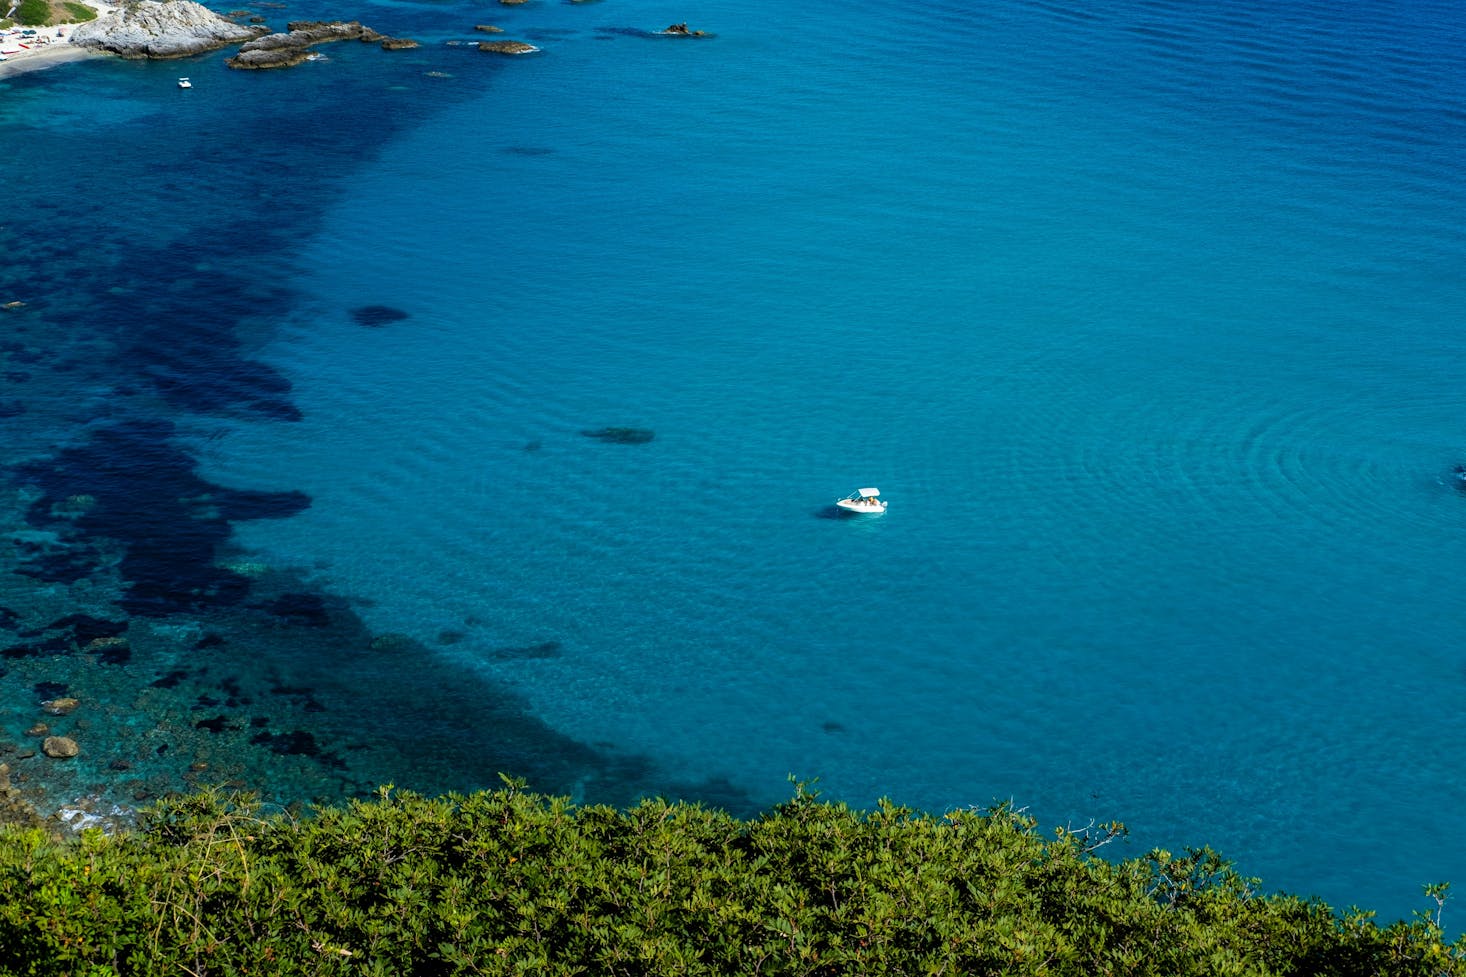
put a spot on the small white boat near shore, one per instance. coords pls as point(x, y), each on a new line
point(184, 83)
point(865, 501)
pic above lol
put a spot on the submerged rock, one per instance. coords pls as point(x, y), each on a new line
point(161, 29)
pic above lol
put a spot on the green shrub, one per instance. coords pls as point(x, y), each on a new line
point(79, 12)
point(36, 13)
point(515, 883)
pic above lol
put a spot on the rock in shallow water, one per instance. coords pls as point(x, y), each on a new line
point(507, 47)
point(60, 747)
point(60, 707)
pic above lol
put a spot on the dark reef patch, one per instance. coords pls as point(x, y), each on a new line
point(239, 504)
point(375, 316)
point(49, 690)
point(60, 644)
point(304, 697)
point(545, 649)
point(218, 724)
point(621, 435)
point(112, 652)
point(87, 628)
point(148, 497)
point(308, 610)
point(298, 743)
point(183, 338)
point(232, 688)
point(608, 33)
point(199, 387)
point(171, 680)
point(17, 353)
point(57, 563)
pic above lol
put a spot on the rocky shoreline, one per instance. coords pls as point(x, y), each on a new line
point(172, 29)
point(168, 29)
point(159, 29)
point(165, 29)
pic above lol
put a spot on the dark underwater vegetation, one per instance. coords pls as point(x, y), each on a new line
point(123, 584)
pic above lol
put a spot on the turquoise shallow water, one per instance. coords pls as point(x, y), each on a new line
point(1146, 322)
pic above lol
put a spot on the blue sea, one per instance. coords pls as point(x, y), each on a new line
point(1145, 317)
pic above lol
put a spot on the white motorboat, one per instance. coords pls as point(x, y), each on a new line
point(184, 83)
point(865, 501)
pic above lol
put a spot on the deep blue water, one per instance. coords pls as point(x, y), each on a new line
point(1146, 320)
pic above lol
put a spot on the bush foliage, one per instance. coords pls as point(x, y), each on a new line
point(35, 13)
point(509, 882)
point(43, 13)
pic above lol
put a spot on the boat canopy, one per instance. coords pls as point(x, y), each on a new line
point(869, 493)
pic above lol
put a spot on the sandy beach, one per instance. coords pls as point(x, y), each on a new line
point(49, 46)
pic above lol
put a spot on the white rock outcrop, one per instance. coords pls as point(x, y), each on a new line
point(161, 29)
